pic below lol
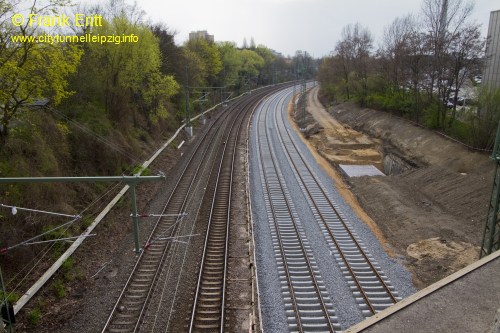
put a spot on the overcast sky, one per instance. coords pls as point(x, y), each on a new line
point(287, 25)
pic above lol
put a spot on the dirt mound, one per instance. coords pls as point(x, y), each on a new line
point(433, 210)
point(338, 143)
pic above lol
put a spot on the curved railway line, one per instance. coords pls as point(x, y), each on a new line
point(299, 276)
point(306, 301)
point(370, 286)
point(141, 305)
point(130, 306)
point(208, 311)
point(129, 311)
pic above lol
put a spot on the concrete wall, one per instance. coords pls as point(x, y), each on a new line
point(491, 75)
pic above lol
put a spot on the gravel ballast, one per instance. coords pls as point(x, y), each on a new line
point(272, 308)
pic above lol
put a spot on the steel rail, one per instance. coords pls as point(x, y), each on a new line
point(287, 148)
point(219, 219)
point(297, 311)
point(194, 156)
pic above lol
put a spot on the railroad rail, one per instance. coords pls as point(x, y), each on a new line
point(132, 301)
point(208, 310)
point(370, 286)
point(131, 308)
point(307, 303)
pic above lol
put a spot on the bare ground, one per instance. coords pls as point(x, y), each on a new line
point(433, 214)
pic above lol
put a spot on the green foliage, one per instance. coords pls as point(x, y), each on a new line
point(11, 297)
point(124, 79)
point(461, 131)
point(392, 101)
point(59, 289)
point(34, 316)
point(209, 57)
point(139, 169)
point(31, 71)
point(251, 63)
point(484, 122)
point(93, 117)
point(67, 269)
point(160, 88)
point(231, 62)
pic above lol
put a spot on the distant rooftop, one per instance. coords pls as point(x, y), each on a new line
point(201, 34)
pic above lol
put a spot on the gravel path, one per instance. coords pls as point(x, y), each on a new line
point(273, 316)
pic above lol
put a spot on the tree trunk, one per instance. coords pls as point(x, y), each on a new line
point(4, 133)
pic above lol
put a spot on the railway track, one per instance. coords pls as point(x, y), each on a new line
point(307, 303)
point(132, 301)
point(208, 310)
point(371, 288)
point(131, 307)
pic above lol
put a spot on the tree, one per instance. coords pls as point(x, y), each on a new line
point(484, 123)
point(443, 19)
point(268, 72)
point(251, 65)
point(331, 78)
point(231, 63)
point(466, 50)
point(209, 56)
point(252, 43)
point(354, 52)
point(171, 54)
point(395, 49)
point(125, 79)
point(29, 70)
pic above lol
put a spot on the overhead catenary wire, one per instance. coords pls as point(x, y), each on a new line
point(41, 254)
point(38, 211)
point(177, 221)
point(59, 239)
point(25, 298)
point(5, 249)
point(115, 147)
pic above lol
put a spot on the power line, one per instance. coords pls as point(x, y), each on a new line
point(15, 209)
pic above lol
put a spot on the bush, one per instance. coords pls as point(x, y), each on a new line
point(59, 289)
point(34, 316)
point(11, 298)
point(67, 269)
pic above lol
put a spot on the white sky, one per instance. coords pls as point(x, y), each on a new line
point(287, 25)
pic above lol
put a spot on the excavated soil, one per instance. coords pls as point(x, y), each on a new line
point(429, 211)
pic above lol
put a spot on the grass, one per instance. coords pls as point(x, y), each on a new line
point(11, 298)
point(59, 289)
point(144, 171)
point(34, 316)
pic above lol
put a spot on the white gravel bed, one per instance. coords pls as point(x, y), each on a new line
point(273, 316)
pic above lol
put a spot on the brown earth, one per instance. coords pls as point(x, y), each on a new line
point(433, 214)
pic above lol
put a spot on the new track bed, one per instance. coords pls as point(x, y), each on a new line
point(368, 283)
point(307, 304)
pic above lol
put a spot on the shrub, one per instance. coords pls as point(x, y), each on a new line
point(34, 316)
point(59, 289)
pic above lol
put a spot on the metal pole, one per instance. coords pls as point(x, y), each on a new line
point(303, 104)
point(3, 303)
point(186, 93)
point(491, 236)
point(135, 220)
